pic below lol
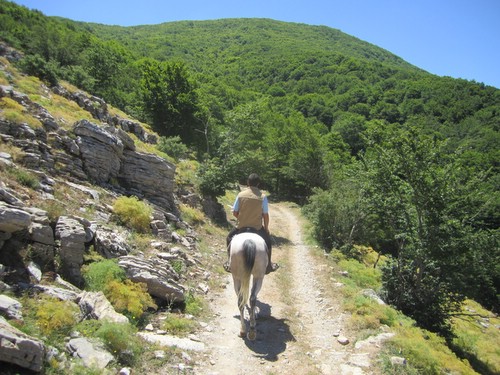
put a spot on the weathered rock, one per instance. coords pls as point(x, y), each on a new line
point(100, 150)
point(370, 293)
point(167, 340)
point(20, 349)
point(128, 142)
point(10, 307)
point(111, 244)
point(72, 236)
point(214, 210)
point(61, 294)
point(7, 195)
point(34, 270)
point(13, 219)
point(159, 276)
point(95, 305)
point(42, 233)
point(91, 353)
point(151, 176)
point(398, 361)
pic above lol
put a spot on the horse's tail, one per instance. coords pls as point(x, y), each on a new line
point(249, 251)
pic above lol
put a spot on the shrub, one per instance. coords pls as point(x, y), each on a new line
point(129, 298)
point(178, 325)
point(121, 340)
point(133, 213)
point(25, 178)
point(36, 65)
point(173, 147)
point(98, 274)
point(194, 304)
point(191, 215)
point(54, 316)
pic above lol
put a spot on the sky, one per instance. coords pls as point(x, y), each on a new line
point(456, 38)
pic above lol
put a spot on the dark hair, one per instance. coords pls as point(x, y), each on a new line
point(253, 180)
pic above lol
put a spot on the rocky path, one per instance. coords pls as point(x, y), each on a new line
point(300, 324)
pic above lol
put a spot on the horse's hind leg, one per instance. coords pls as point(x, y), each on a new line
point(243, 327)
point(252, 334)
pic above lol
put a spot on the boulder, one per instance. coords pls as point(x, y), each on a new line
point(61, 294)
point(95, 305)
point(72, 237)
point(10, 307)
point(149, 175)
point(111, 244)
point(157, 274)
point(13, 219)
point(20, 349)
point(92, 354)
point(100, 150)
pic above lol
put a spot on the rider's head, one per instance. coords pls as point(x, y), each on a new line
point(254, 180)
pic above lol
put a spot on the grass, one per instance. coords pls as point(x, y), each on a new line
point(477, 337)
point(179, 325)
point(425, 352)
point(65, 112)
point(191, 215)
point(12, 111)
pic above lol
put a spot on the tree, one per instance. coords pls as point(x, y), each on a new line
point(420, 205)
point(168, 98)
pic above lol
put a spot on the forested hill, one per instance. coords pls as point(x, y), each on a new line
point(262, 54)
point(222, 41)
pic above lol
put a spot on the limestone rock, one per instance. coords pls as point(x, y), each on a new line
point(92, 354)
point(13, 219)
point(95, 305)
point(151, 176)
point(10, 307)
point(20, 349)
point(101, 151)
point(159, 276)
point(111, 244)
point(61, 294)
point(72, 236)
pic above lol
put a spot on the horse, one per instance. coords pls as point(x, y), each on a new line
point(248, 257)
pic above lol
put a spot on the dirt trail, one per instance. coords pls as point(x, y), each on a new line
point(299, 318)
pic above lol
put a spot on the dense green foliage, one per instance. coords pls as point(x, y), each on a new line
point(385, 154)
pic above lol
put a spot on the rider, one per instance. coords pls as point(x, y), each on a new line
point(252, 211)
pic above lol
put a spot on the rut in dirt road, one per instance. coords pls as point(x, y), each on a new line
point(299, 320)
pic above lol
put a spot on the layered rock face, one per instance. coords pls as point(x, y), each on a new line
point(36, 246)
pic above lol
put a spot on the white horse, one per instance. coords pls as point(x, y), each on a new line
point(248, 257)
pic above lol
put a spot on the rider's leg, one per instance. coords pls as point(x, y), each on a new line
point(230, 236)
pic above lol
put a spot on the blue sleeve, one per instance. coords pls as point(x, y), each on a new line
point(265, 205)
point(236, 205)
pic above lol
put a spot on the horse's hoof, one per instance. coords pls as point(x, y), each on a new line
point(252, 335)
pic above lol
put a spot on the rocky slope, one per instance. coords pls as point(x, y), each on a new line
point(51, 221)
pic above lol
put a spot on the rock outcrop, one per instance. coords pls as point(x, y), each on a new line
point(42, 251)
point(19, 348)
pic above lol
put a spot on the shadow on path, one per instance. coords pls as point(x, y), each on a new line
point(273, 334)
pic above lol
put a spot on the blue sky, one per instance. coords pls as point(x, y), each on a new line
point(457, 38)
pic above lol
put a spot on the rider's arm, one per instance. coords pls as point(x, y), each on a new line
point(265, 213)
point(236, 208)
